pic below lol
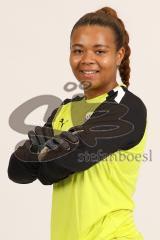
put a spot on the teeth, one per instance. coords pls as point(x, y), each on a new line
point(89, 72)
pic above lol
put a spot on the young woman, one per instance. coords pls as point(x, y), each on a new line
point(92, 146)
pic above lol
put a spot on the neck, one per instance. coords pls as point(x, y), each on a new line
point(92, 93)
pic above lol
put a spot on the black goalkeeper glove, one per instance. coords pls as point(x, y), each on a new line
point(39, 137)
point(58, 141)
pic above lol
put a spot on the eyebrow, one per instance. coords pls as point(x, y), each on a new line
point(95, 46)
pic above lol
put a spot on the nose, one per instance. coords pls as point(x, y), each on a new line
point(88, 58)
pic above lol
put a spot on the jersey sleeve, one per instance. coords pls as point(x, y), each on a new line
point(112, 127)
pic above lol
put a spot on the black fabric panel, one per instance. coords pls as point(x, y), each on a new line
point(23, 165)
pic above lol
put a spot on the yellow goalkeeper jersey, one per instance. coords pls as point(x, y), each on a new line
point(83, 200)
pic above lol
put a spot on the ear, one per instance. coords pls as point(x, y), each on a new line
point(120, 56)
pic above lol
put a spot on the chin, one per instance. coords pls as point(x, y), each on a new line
point(90, 84)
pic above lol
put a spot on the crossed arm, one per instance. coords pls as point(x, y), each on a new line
point(111, 127)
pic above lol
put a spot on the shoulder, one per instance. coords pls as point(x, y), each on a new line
point(133, 101)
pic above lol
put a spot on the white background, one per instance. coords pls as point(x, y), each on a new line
point(34, 51)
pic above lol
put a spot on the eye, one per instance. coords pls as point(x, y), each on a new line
point(100, 52)
point(77, 51)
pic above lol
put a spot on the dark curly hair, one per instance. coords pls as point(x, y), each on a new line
point(108, 17)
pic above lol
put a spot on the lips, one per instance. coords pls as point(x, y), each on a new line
point(89, 70)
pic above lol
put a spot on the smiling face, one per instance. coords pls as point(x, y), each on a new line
point(94, 59)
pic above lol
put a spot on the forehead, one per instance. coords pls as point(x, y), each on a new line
point(93, 35)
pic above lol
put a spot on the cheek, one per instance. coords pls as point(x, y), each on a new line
point(108, 63)
point(74, 61)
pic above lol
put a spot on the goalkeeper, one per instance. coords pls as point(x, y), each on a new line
point(91, 147)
